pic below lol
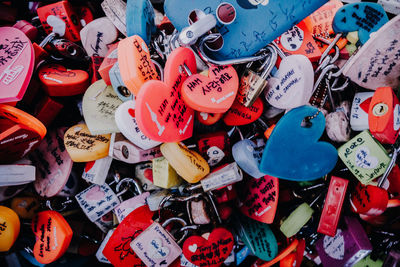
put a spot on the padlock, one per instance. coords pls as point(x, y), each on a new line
point(253, 83)
point(198, 211)
point(122, 149)
point(333, 206)
point(187, 163)
point(384, 115)
point(214, 147)
point(364, 157)
point(347, 247)
point(127, 206)
point(189, 35)
point(156, 246)
point(9, 228)
point(337, 123)
point(118, 84)
point(25, 206)
point(157, 199)
point(108, 62)
point(115, 10)
point(239, 115)
point(140, 19)
point(99, 254)
point(17, 174)
point(225, 194)
point(50, 16)
point(96, 171)
point(144, 173)
point(95, 62)
point(97, 200)
point(359, 111)
point(164, 175)
point(208, 118)
point(47, 110)
point(247, 154)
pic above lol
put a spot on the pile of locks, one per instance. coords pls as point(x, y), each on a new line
point(199, 133)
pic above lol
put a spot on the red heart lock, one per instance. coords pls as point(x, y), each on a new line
point(212, 94)
point(369, 200)
point(58, 81)
point(209, 252)
point(118, 250)
point(53, 235)
point(160, 111)
point(208, 118)
point(240, 115)
point(261, 199)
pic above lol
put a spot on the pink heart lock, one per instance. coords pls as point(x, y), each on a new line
point(16, 64)
point(212, 94)
point(160, 111)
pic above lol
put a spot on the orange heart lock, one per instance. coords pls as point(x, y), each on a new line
point(160, 111)
point(9, 228)
point(135, 63)
point(53, 236)
point(60, 81)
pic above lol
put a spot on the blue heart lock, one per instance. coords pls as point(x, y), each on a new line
point(248, 156)
point(293, 152)
point(140, 19)
point(362, 17)
point(254, 26)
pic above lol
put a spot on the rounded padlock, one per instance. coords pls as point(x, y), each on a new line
point(369, 200)
point(9, 228)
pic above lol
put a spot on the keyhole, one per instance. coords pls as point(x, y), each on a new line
point(380, 109)
point(124, 91)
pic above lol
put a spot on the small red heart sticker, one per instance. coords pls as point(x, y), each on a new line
point(211, 252)
point(131, 112)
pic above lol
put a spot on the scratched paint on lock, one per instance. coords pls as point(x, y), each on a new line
point(364, 157)
point(140, 19)
point(254, 27)
point(53, 164)
point(16, 64)
point(362, 17)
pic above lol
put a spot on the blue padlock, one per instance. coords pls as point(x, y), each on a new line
point(247, 155)
point(140, 19)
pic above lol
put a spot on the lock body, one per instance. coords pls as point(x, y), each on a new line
point(164, 175)
point(225, 176)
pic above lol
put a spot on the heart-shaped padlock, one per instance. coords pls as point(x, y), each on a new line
point(140, 19)
point(238, 114)
point(247, 155)
point(9, 228)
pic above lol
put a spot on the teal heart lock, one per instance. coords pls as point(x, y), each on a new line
point(246, 26)
point(362, 17)
point(293, 151)
point(140, 19)
point(258, 237)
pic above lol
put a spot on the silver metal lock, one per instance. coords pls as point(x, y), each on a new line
point(191, 34)
point(253, 83)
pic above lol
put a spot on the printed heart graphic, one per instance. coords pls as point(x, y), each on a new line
point(258, 237)
point(9, 227)
point(161, 113)
point(82, 146)
point(157, 250)
point(309, 158)
point(53, 164)
point(58, 81)
point(335, 247)
point(140, 19)
point(57, 24)
point(358, 17)
point(89, 165)
point(53, 236)
point(365, 105)
point(118, 250)
point(210, 252)
point(294, 84)
point(261, 199)
point(247, 155)
point(125, 117)
point(364, 159)
point(16, 65)
point(96, 35)
point(240, 115)
point(99, 106)
point(359, 111)
point(212, 94)
point(253, 27)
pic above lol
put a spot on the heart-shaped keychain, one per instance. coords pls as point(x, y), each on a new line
point(258, 237)
point(212, 94)
point(53, 235)
point(247, 155)
point(248, 25)
point(261, 199)
point(140, 19)
point(293, 85)
point(135, 63)
point(99, 105)
point(20, 133)
point(53, 164)
point(293, 151)
point(239, 115)
point(59, 81)
point(377, 63)
point(362, 17)
point(16, 64)
point(212, 251)
point(125, 117)
point(118, 250)
point(160, 111)
point(82, 146)
point(96, 35)
point(9, 228)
